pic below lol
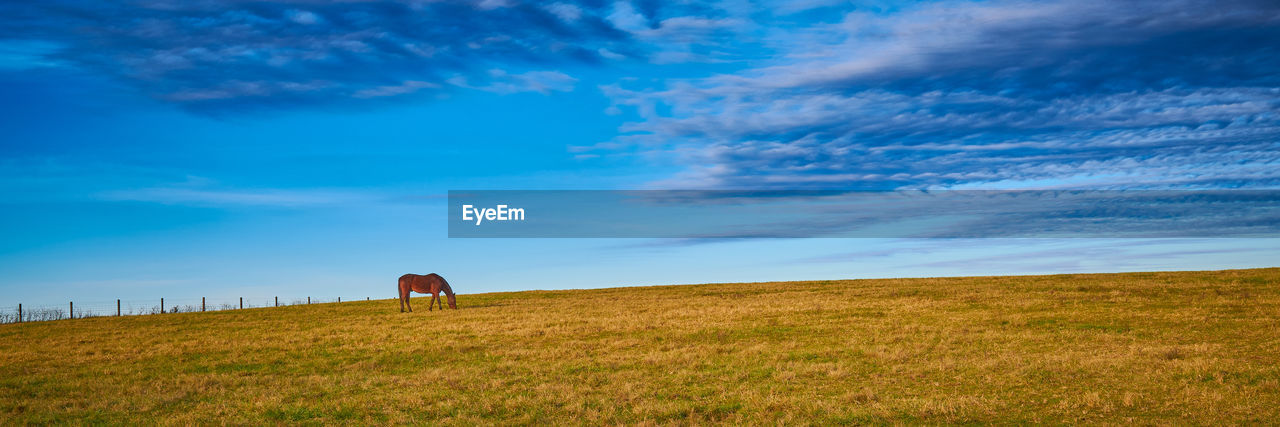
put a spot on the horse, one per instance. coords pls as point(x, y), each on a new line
point(429, 284)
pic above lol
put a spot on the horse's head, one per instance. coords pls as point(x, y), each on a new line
point(448, 292)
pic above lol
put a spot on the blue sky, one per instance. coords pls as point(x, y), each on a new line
point(223, 148)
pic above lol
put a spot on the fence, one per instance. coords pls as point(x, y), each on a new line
point(79, 310)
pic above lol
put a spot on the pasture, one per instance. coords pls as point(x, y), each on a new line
point(1152, 348)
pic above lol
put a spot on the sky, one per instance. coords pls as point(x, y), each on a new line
point(300, 148)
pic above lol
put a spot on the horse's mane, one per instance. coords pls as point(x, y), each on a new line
point(444, 286)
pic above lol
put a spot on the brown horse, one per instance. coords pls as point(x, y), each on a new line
point(429, 284)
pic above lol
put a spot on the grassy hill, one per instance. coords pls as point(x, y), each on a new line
point(1187, 347)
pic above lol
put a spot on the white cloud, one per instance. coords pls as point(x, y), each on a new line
point(303, 17)
point(214, 197)
point(500, 81)
point(959, 93)
point(565, 11)
point(408, 86)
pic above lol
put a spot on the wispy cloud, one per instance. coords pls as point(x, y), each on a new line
point(1146, 93)
point(1007, 93)
point(215, 55)
point(1085, 256)
point(500, 81)
point(407, 87)
point(231, 55)
point(27, 54)
point(1039, 256)
point(264, 197)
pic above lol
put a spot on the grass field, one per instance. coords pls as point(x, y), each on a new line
point(1187, 347)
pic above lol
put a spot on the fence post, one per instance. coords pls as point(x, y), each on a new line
point(71, 309)
point(201, 303)
point(277, 301)
point(19, 312)
point(162, 305)
point(366, 298)
point(308, 300)
point(241, 302)
point(339, 299)
point(117, 307)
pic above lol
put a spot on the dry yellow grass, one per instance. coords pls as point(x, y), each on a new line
point(1189, 347)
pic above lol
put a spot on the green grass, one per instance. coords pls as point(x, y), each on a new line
point(1152, 348)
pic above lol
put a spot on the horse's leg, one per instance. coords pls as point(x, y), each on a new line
point(431, 305)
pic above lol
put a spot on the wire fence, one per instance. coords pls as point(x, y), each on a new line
point(80, 310)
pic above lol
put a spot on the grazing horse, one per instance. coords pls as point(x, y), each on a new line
point(429, 284)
